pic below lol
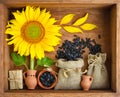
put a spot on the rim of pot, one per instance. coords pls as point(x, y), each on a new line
point(54, 83)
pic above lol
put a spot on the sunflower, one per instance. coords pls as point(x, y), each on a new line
point(33, 31)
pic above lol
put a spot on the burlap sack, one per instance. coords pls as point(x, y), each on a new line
point(69, 75)
point(98, 70)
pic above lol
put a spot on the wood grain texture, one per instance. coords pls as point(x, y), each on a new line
point(65, 1)
point(91, 1)
point(58, 93)
point(3, 17)
point(61, 95)
point(1, 49)
point(56, 3)
point(118, 48)
point(114, 33)
point(100, 12)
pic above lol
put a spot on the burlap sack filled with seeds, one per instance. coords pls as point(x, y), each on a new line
point(69, 75)
point(98, 70)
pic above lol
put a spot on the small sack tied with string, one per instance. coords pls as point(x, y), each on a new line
point(98, 70)
point(69, 75)
point(16, 79)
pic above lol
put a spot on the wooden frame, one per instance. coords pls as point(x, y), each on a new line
point(115, 52)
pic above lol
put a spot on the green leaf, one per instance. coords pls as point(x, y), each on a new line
point(67, 18)
point(17, 59)
point(72, 29)
point(46, 62)
point(81, 20)
point(88, 26)
point(40, 62)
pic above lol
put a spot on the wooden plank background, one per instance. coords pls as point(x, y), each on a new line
point(3, 18)
point(118, 48)
point(51, 93)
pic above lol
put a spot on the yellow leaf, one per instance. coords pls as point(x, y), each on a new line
point(88, 26)
point(72, 29)
point(67, 18)
point(81, 20)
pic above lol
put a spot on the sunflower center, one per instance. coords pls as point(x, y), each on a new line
point(33, 31)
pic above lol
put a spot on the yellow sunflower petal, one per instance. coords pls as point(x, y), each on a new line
point(42, 15)
point(19, 18)
point(37, 13)
point(23, 48)
point(72, 29)
point(13, 26)
point(14, 22)
point(54, 34)
point(31, 13)
point(27, 13)
point(51, 40)
point(54, 30)
point(67, 18)
point(10, 38)
point(8, 25)
point(81, 20)
point(14, 41)
point(16, 46)
point(46, 47)
point(39, 51)
point(88, 26)
point(23, 14)
point(46, 18)
point(12, 32)
point(50, 22)
point(32, 51)
point(27, 50)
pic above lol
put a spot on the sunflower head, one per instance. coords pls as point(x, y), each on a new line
point(33, 31)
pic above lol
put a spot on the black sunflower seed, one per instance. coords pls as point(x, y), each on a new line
point(47, 79)
point(71, 50)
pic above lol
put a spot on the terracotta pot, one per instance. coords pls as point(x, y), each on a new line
point(86, 82)
point(53, 73)
point(30, 79)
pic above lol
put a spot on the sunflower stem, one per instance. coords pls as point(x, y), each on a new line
point(32, 64)
point(26, 66)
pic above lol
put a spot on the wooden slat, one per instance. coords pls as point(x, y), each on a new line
point(59, 91)
point(3, 17)
point(64, 1)
point(115, 20)
point(1, 49)
point(60, 3)
point(118, 48)
point(91, 1)
point(21, 3)
point(113, 46)
point(56, 4)
point(115, 29)
point(85, 94)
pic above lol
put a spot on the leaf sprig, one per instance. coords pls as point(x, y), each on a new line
point(18, 60)
point(45, 62)
point(21, 60)
point(78, 25)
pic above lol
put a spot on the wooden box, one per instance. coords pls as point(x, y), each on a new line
point(105, 14)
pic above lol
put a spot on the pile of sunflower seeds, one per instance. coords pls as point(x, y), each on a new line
point(71, 50)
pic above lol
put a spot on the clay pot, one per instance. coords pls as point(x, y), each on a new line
point(86, 82)
point(53, 73)
point(30, 79)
